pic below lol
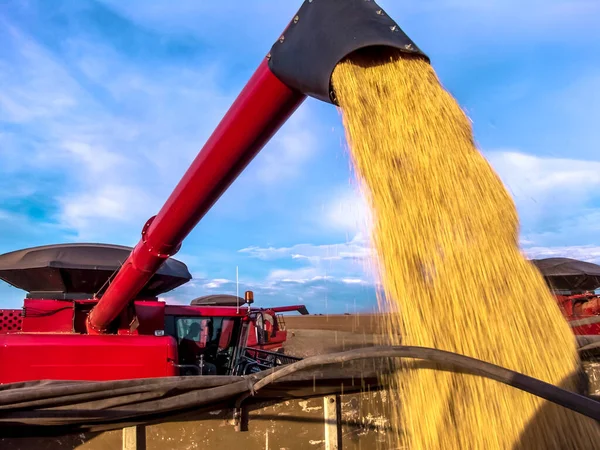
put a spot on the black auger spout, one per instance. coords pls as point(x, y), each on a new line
point(323, 33)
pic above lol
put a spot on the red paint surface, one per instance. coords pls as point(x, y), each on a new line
point(581, 306)
point(151, 316)
point(50, 347)
point(260, 110)
point(589, 307)
point(26, 357)
point(587, 330)
point(48, 316)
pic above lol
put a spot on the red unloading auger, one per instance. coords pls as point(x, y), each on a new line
point(300, 64)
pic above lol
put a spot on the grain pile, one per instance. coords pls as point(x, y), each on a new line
point(446, 235)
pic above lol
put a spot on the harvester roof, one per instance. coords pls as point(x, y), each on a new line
point(218, 300)
point(64, 270)
point(569, 274)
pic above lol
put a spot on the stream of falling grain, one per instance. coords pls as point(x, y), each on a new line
point(446, 235)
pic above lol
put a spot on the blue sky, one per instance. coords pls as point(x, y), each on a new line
point(103, 105)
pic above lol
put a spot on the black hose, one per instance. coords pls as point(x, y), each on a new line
point(59, 407)
point(570, 400)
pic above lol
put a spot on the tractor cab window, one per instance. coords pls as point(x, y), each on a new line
point(265, 327)
point(195, 329)
point(269, 324)
point(209, 339)
point(259, 329)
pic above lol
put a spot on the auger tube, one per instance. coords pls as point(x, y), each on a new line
point(299, 64)
point(260, 110)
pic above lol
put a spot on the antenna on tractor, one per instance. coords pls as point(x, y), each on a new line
point(237, 289)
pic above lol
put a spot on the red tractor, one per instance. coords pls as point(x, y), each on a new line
point(65, 282)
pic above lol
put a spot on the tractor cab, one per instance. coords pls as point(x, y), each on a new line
point(267, 330)
point(206, 345)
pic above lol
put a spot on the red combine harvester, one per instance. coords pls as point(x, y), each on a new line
point(64, 283)
point(85, 319)
point(97, 323)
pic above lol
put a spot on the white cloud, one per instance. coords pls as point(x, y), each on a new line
point(349, 263)
point(93, 158)
point(535, 176)
point(303, 275)
point(578, 229)
point(548, 191)
point(32, 77)
point(216, 283)
point(357, 249)
point(111, 203)
point(120, 141)
point(560, 193)
point(321, 293)
point(353, 281)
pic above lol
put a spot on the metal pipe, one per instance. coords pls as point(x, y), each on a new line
point(571, 400)
point(262, 107)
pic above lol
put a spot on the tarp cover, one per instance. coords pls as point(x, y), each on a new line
point(54, 408)
point(47, 408)
point(569, 274)
point(81, 269)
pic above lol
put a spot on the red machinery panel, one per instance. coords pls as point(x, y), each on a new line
point(579, 307)
point(587, 330)
point(48, 316)
point(11, 320)
point(151, 316)
point(28, 357)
